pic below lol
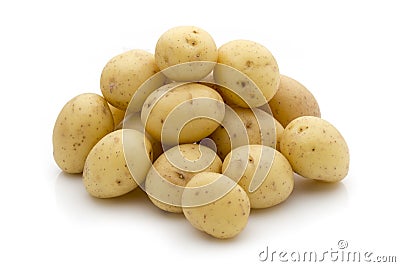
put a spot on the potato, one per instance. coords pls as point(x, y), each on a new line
point(166, 179)
point(82, 122)
point(117, 164)
point(186, 44)
point(124, 74)
point(315, 149)
point(259, 126)
point(195, 107)
point(293, 100)
point(118, 116)
point(253, 60)
point(132, 121)
point(263, 172)
point(215, 204)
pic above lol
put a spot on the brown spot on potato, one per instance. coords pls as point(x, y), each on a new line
point(192, 42)
point(249, 63)
point(251, 160)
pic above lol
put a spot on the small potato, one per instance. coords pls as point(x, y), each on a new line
point(256, 62)
point(263, 172)
point(293, 100)
point(124, 74)
point(260, 128)
point(118, 116)
point(186, 44)
point(117, 164)
point(82, 122)
point(315, 149)
point(183, 113)
point(166, 180)
point(215, 204)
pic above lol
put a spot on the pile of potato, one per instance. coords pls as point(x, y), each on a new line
point(208, 132)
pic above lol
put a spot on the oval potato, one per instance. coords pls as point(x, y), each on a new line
point(315, 149)
point(187, 101)
point(124, 74)
point(82, 122)
point(222, 218)
point(255, 61)
point(109, 172)
point(184, 44)
point(263, 172)
point(293, 100)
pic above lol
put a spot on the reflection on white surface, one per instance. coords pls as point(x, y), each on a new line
point(73, 200)
point(309, 202)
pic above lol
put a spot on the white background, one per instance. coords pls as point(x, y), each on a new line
point(345, 52)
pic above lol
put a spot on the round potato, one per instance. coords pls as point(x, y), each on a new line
point(190, 49)
point(260, 129)
point(215, 204)
point(263, 172)
point(182, 113)
point(315, 149)
point(166, 179)
point(82, 122)
point(117, 164)
point(293, 100)
point(124, 74)
point(256, 62)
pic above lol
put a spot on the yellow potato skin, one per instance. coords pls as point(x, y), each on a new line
point(293, 100)
point(81, 123)
point(255, 61)
point(231, 98)
point(224, 218)
point(124, 74)
point(106, 173)
point(315, 149)
point(260, 126)
point(194, 130)
point(276, 186)
point(177, 176)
